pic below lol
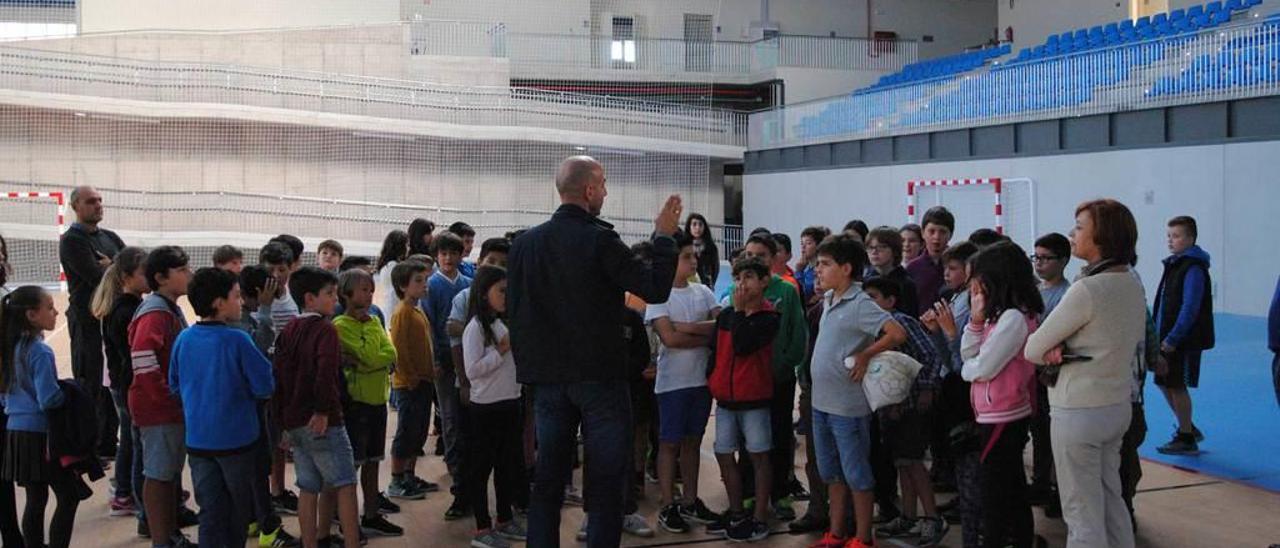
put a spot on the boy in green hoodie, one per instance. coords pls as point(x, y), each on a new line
point(367, 357)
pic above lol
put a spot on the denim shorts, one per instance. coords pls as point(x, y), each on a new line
point(322, 462)
point(164, 448)
point(735, 426)
point(842, 447)
point(683, 414)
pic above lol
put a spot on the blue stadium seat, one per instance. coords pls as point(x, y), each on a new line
point(1127, 24)
point(1221, 17)
point(1160, 19)
point(1195, 11)
point(1145, 21)
point(1234, 5)
point(1176, 15)
point(1213, 7)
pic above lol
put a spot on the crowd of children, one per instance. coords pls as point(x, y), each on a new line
point(292, 363)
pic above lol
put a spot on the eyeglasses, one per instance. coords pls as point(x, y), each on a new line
point(1043, 258)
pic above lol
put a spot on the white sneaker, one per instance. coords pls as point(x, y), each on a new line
point(582, 531)
point(635, 524)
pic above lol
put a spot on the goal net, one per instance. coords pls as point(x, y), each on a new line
point(1006, 205)
point(30, 224)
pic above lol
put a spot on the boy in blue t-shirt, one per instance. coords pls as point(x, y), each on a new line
point(441, 289)
point(219, 374)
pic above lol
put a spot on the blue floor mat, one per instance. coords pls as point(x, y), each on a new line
point(1235, 407)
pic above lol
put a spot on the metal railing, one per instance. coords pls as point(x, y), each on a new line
point(659, 55)
point(99, 76)
point(1230, 62)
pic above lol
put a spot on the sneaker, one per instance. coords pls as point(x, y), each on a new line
point(698, 513)
point(253, 529)
point(1181, 444)
point(582, 531)
point(380, 527)
point(572, 496)
point(671, 520)
point(783, 509)
point(636, 525)
point(1195, 431)
point(808, 523)
point(331, 541)
point(404, 488)
point(488, 539)
point(285, 503)
point(747, 530)
point(426, 486)
point(144, 529)
point(511, 530)
point(798, 492)
point(122, 506)
point(457, 510)
point(278, 539)
point(651, 473)
point(857, 543)
point(179, 540)
point(899, 527)
point(187, 518)
point(932, 531)
point(829, 541)
point(718, 528)
point(385, 506)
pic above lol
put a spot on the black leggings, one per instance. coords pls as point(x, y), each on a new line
point(495, 432)
point(1006, 511)
point(63, 484)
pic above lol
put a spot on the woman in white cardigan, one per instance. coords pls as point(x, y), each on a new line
point(1089, 340)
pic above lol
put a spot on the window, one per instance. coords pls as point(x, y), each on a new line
point(623, 47)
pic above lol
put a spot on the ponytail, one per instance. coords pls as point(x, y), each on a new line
point(126, 263)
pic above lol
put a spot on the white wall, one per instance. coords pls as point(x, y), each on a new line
point(1035, 20)
point(1229, 189)
point(804, 84)
point(117, 15)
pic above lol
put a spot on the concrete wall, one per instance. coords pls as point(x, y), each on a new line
point(1035, 20)
point(118, 15)
point(805, 84)
point(1228, 188)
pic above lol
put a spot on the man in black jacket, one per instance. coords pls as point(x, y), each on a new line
point(565, 295)
point(86, 251)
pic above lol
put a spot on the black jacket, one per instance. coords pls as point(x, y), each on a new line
point(115, 338)
point(73, 435)
point(78, 251)
point(566, 283)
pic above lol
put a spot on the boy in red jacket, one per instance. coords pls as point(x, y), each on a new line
point(742, 384)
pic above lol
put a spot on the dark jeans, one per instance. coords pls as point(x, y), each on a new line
point(1130, 463)
point(135, 474)
point(885, 472)
point(603, 409)
point(124, 451)
point(87, 364)
point(1006, 509)
point(413, 421)
point(452, 425)
point(495, 443)
point(1042, 475)
point(63, 483)
point(817, 489)
point(224, 491)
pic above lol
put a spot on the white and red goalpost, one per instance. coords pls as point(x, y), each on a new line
point(1006, 205)
point(32, 224)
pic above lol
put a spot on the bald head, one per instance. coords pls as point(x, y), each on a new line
point(575, 173)
point(80, 192)
point(87, 203)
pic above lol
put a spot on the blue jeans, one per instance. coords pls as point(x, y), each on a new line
point(124, 450)
point(224, 491)
point(604, 411)
point(450, 406)
point(135, 472)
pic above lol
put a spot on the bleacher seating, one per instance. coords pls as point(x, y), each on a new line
point(1062, 72)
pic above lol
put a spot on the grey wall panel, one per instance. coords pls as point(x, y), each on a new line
point(817, 156)
point(993, 141)
point(911, 148)
point(1197, 123)
point(1086, 132)
point(770, 160)
point(947, 145)
point(1137, 128)
point(1255, 118)
point(1038, 137)
point(846, 153)
point(793, 158)
point(877, 151)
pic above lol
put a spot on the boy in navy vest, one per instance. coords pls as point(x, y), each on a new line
point(1184, 322)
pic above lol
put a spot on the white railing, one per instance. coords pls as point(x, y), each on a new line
point(666, 56)
point(81, 74)
point(1226, 63)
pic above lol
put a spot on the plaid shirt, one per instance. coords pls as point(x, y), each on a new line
point(919, 346)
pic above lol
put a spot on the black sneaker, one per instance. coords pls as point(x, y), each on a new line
point(809, 523)
point(385, 506)
point(1181, 444)
point(285, 503)
point(747, 530)
point(187, 518)
point(380, 527)
point(671, 520)
point(798, 492)
point(698, 513)
point(719, 527)
point(426, 486)
point(179, 540)
point(144, 529)
point(457, 510)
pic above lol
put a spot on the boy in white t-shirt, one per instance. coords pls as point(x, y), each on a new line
point(685, 324)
